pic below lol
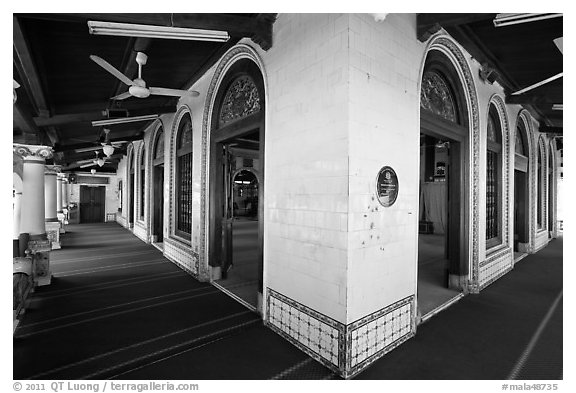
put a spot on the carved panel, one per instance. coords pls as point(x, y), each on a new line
point(241, 100)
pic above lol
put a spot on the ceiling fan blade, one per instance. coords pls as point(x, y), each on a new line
point(110, 68)
point(87, 165)
point(559, 44)
point(85, 149)
point(122, 96)
point(162, 91)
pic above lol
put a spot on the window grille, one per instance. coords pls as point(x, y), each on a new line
point(184, 178)
point(436, 97)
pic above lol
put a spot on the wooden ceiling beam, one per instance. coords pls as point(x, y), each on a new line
point(25, 64)
point(428, 24)
point(259, 28)
point(531, 98)
point(550, 129)
point(71, 118)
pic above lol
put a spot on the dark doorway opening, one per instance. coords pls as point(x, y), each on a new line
point(92, 204)
point(439, 222)
point(158, 205)
point(240, 216)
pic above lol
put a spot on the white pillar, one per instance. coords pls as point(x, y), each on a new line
point(50, 194)
point(59, 195)
point(16, 214)
point(32, 219)
point(64, 193)
point(51, 204)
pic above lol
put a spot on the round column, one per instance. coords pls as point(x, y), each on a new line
point(50, 195)
point(32, 216)
point(16, 216)
point(59, 195)
point(64, 194)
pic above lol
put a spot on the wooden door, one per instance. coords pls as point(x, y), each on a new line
point(92, 204)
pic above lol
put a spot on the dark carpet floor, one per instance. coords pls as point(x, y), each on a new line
point(117, 309)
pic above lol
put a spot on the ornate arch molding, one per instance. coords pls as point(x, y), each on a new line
point(234, 54)
point(553, 208)
point(127, 193)
point(500, 106)
point(526, 119)
point(139, 189)
point(183, 110)
point(452, 50)
point(157, 127)
point(544, 194)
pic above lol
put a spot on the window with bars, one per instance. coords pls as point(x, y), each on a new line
point(184, 177)
point(142, 183)
point(493, 178)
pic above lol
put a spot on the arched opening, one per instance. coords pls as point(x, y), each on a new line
point(551, 193)
point(442, 261)
point(131, 195)
point(142, 192)
point(158, 188)
point(493, 179)
point(540, 188)
point(183, 179)
point(236, 186)
point(521, 191)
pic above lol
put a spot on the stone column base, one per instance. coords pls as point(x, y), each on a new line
point(215, 273)
point(53, 233)
point(40, 250)
point(524, 247)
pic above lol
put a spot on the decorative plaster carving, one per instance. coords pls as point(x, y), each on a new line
point(32, 151)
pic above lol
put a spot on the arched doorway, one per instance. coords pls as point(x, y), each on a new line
point(158, 189)
point(551, 189)
point(442, 260)
point(521, 188)
point(236, 186)
point(131, 195)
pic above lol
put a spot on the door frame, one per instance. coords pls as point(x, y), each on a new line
point(101, 189)
point(457, 135)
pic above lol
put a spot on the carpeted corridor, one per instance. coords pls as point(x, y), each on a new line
point(117, 309)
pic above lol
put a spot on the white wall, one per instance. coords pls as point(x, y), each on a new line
point(306, 161)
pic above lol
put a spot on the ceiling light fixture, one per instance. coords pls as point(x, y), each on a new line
point(150, 31)
point(93, 171)
point(502, 20)
point(535, 85)
point(558, 107)
point(107, 122)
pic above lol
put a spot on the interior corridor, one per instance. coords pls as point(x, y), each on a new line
point(117, 309)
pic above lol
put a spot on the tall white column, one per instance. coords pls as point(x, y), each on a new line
point(16, 213)
point(64, 193)
point(52, 203)
point(59, 195)
point(50, 194)
point(32, 219)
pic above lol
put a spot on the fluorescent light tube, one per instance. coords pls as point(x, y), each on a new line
point(514, 19)
point(123, 120)
point(150, 31)
point(558, 107)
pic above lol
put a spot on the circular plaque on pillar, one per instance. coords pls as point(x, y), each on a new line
point(387, 186)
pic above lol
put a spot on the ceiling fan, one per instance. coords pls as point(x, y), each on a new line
point(97, 161)
point(107, 146)
point(138, 86)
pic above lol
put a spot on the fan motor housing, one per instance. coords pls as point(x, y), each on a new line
point(138, 91)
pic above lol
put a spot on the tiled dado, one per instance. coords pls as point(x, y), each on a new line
point(120, 220)
point(181, 255)
point(346, 349)
point(495, 266)
point(140, 231)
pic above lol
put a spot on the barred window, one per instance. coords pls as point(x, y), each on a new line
point(184, 177)
point(159, 150)
point(493, 178)
point(142, 182)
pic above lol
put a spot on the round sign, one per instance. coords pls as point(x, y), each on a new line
point(387, 186)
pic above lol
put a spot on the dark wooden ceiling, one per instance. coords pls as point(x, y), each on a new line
point(63, 91)
point(522, 54)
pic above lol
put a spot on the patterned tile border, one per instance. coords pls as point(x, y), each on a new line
point(182, 255)
point(494, 267)
point(345, 349)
